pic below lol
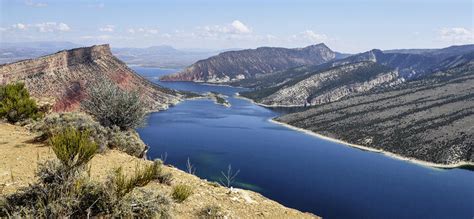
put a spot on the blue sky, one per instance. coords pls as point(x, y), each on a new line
point(344, 25)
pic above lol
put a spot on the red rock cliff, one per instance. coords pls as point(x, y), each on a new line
point(61, 78)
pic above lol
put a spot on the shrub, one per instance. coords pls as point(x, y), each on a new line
point(16, 104)
point(57, 122)
point(181, 192)
point(63, 192)
point(211, 211)
point(73, 148)
point(113, 106)
point(127, 141)
point(143, 204)
point(142, 176)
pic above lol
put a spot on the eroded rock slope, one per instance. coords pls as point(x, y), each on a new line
point(62, 78)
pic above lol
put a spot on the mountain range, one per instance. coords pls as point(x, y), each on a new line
point(339, 78)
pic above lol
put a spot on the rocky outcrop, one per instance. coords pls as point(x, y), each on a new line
point(62, 78)
point(238, 65)
point(327, 85)
point(429, 119)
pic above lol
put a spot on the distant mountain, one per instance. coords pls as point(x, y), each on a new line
point(250, 63)
point(12, 52)
point(161, 56)
point(61, 78)
point(429, 119)
point(155, 56)
point(442, 53)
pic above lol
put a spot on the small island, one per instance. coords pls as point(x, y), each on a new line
point(218, 98)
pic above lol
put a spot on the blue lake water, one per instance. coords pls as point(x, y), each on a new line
point(296, 169)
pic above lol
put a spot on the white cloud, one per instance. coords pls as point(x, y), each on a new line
point(144, 30)
point(19, 26)
point(107, 28)
point(236, 27)
point(52, 27)
point(315, 37)
point(239, 27)
point(31, 3)
point(99, 37)
point(456, 35)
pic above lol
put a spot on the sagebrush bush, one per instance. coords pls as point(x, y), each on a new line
point(73, 148)
point(181, 192)
point(16, 104)
point(142, 176)
point(211, 211)
point(126, 141)
point(112, 106)
point(143, 204)
point(66, 191)
point(56, 122)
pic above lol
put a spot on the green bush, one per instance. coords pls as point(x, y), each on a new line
point(16, 104)
point(181, 192)
point(142, 176)
point(73, 148)
point(112, 106)
point(126, 141)
point(63, 192)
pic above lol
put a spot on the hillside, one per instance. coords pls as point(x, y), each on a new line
point(238, 65)
point(327, 85)
point(19, 161)
point(61, 78)
point(428, 119)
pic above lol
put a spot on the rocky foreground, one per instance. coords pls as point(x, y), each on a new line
point(19, 161)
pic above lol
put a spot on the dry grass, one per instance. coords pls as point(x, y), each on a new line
point(237, 204)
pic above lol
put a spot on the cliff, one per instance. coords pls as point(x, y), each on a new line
point(238, 65)
point(326, 85)
point(61, 78)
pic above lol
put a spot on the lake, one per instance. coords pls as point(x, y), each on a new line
point(298, 170)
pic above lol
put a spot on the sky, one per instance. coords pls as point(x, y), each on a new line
point(344, 25)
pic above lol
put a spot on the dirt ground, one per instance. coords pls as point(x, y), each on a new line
point(19, 160)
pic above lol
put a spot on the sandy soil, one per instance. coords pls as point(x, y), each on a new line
point(18, 163)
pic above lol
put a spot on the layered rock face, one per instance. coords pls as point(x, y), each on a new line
point(238, 65)
point(62, 78)
point(430, 119)
point(327, 85)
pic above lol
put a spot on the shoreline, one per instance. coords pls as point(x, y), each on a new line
point(361, 147)
point(385, 153)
